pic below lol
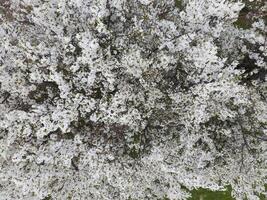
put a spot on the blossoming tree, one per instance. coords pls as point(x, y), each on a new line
point(132, 99)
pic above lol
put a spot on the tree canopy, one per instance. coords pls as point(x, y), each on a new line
point(132, 99)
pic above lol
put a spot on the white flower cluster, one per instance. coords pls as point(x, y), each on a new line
point(131, 99)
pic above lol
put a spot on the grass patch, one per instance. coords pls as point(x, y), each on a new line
point(205, 194)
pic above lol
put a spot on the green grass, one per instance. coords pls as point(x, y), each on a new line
point(205, 194)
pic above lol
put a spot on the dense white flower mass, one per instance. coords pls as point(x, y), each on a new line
point(132, 99)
